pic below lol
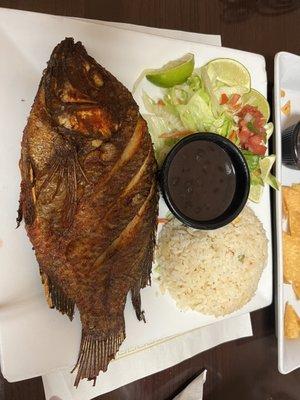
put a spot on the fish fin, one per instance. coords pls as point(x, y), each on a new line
point(64, 171)
point(146, 274)
point(147, 262)
point(96, 353)
point(145, 271)
point(136, 302)
point(27, 197)
point(20, 213)
point(70, 202)
point(49, 176)
point(56, 298)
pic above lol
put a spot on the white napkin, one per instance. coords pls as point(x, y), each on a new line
point(129, 368)
point(213, 40)
point(136, 366)
point(194, 391)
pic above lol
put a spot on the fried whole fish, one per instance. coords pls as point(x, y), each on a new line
point(89, 199)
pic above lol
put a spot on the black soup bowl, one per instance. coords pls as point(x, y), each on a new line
point(205, 181)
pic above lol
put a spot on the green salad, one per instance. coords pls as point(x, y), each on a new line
point(215, 98)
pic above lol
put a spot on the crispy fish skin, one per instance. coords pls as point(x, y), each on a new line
point(89, 198)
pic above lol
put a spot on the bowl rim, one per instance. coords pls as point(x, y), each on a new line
point(291, 133)
point(225, 144)
point(295, 135)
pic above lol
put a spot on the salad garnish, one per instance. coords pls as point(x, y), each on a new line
point(215, 98)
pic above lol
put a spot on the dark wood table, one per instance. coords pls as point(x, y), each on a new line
point(245, 369)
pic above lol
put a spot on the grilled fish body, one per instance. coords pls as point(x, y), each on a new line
point(89, 198)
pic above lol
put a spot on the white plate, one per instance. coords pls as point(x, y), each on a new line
point(33, 339)
point(287, 78)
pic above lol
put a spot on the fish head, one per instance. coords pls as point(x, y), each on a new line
point(81, 95)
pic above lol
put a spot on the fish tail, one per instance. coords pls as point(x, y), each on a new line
point(56, 298)
point(95, 354)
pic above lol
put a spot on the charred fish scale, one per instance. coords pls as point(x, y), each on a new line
point(89, 199)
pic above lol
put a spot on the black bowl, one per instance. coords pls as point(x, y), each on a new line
point(242, 182)
point(291, 146)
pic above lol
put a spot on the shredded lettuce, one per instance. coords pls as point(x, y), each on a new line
point(255, 179)
point(215, 106)
point(252, 160)
point(196, 115)
point(159, 126)
point(223, 125)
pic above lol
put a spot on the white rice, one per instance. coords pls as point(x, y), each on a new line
point(213, 272)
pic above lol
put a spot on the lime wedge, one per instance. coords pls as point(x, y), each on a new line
point(269, 127)
point(265, 165)
point(273, 182)
point(228, 72)
point(173, 73)
point(255, 193)
point(254, 98)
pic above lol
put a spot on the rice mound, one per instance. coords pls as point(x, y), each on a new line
point(214, 272)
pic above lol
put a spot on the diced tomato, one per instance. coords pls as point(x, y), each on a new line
point(252, 133)
point(256, 145)
point(244, 135)
point(234, 99)
point(255, 140)
point(258, 149)
point(247, 109)
point(243, 124)
point(224, 99)
point(259, 126)
point(258, 119)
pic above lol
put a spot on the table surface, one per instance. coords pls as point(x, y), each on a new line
point(247, 368)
